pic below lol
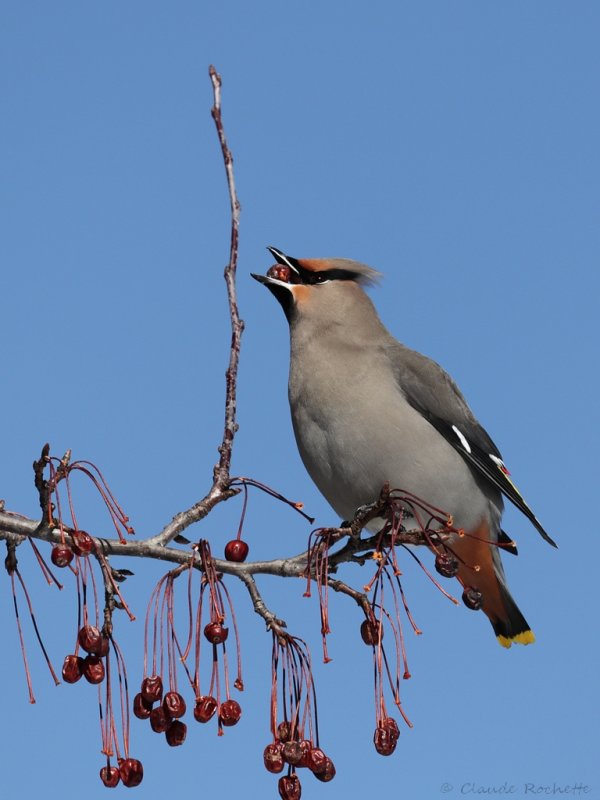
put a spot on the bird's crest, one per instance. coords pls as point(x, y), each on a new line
point(352, 270)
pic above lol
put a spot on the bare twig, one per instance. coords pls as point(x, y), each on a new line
point(273, 623)
point(220, 489)
point(42, 485)
point(198, 511)
point(361, 598)
point(237, 325)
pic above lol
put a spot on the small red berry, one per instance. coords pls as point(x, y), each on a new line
point(306, 746)
point(176, 733)
point(205, 708)
point(284, 731)
point(141, 707)
point(281, 272)
point(93, 669)
point(216, 633)
point(328, 774)
point(131, 771)
point(61, 555)
point(88, 637)
point(292, 753)
point(110, 776)
point(391, 726)
point(92, 640)
point(273, 758)
point(230, 713)
point(159, 719)
point(152, 688)
point(289, 787)
point(369, 630)
point(83, 544)
point(446, 564)
point(174, 705)
point(72, 669)
point(236, 550)
point(316, 760)
point(384, 741)
point(472, 598)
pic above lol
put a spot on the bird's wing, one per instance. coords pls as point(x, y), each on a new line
point(432, 392)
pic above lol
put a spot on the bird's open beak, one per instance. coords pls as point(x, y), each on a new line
point(281, 274)
point(281, 290)
point(286, 261)
point(273, 284)
point(279, 280)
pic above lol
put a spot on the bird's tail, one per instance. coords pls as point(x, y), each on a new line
point(511, 626)
point(481, 568)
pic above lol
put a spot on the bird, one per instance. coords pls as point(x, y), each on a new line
point(368, 411)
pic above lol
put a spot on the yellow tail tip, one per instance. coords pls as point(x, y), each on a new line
point(525, 637)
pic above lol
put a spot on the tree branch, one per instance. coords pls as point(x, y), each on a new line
point(273, 623)
point(14, 525)
point(220, 490)
point(237, 325)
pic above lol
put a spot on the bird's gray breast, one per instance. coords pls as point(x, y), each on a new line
point(356, 431)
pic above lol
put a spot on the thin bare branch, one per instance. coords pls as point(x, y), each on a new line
point(273, 623)
point(198, 511)
point(237, 325)
point(361, 598)
point(220, 489)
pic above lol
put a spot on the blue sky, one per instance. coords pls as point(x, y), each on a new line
point(453, 146)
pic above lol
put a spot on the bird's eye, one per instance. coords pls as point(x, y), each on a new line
point(319, 277)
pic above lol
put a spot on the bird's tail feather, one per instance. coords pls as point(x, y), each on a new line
point(481, 568)
point(512, 626)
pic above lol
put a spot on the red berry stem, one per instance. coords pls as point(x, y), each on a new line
point(190, 607)
point(35, 625)
point(22, 640)
point(238, 683)
point(317, 567)
point(70, 500)
point(267, 489)
point(47, 572)
point(244, 507)
point(123, 694)
point(117, 515)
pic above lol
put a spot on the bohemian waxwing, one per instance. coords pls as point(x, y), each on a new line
point(367, 411)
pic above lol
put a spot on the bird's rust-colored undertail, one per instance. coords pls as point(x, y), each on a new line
point(477, 570)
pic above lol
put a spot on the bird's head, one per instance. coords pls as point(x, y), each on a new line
point(315, 285)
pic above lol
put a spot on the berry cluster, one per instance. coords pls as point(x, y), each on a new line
point(101, 652)
point(96, 669)
point(96, 644)
point(164, 710)
point(165, 717)
point(295, 742)
point(385, 586)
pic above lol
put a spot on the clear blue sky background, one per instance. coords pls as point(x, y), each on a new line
point(452, 145)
